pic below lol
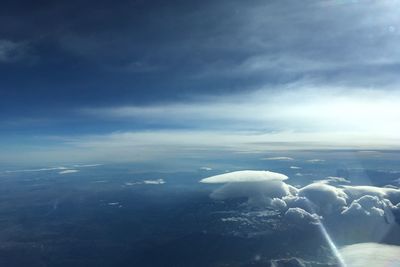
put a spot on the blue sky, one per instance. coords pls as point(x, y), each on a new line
point(146, 80)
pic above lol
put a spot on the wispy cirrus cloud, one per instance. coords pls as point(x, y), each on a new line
point(11, 51)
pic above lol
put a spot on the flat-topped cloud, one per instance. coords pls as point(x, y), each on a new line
point(244, 176)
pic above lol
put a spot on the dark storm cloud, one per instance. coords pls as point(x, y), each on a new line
point(100, 67)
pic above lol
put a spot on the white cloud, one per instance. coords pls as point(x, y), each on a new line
point(236, 219)
point(333, 180)
point(326, 198)
point(299, 108)
point(382, 192)
point(295, 167)
point(245, 176)
point(267, 120)
point(357, 212)
point(68, 171)
point(86, 165)
point(148, 182)
point(154, 182)
point(279, 158)
point(145, 146)
point(259, 187)
point(366, 205)
point(258, 194)
point(370, 254)
point(299, 216)
point(315, 160)
point(54, 168)
point(11, 51)
point(294, 201)
point(278, 204)
point(37, 170)
point(296, 117)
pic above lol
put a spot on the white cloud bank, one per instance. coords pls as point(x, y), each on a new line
point(371, 255)
point(296, 117)
point(303, 108)
point(62, 169)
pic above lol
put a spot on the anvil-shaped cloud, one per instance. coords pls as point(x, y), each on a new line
point(260, 187)
point(245, 176)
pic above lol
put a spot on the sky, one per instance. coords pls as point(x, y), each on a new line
point(150, 80)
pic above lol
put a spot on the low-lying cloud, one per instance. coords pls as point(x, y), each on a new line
point(371, 255)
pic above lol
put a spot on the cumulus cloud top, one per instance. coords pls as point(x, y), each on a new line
point(325, 197)
point(244, 176)
point(372, 208)
point(355, 192)
point(300, 216)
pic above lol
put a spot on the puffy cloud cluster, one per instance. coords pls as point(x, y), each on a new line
point(299, 216)
point(392, 194)
point(321, 200)
point(324, 198)
point(367, 205)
